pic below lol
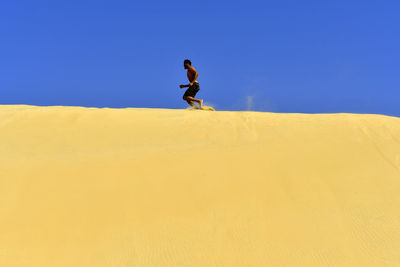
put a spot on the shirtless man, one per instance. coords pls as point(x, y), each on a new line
point(194, 85)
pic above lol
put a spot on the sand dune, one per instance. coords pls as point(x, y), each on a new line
point(157, 187)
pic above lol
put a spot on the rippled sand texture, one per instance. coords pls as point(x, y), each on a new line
point(156, 187)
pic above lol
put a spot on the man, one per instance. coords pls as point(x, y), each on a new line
point(193, 85)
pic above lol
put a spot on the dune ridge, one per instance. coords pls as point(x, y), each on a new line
point(163, 187)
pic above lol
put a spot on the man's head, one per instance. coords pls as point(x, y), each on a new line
point(187, 63)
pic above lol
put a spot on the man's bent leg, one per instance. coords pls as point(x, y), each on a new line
point(200, 101)
point(190, 102)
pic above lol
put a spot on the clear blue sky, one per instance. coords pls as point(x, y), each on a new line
point(307, 56)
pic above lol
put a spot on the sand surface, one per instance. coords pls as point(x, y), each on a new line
point(156, 187)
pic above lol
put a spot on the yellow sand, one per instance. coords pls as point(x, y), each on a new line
point(157, 187)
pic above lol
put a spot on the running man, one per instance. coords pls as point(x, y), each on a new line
point(193, 85)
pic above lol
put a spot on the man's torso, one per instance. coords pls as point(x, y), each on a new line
point(191, 74)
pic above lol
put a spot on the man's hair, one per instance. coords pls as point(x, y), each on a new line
point(187, 61)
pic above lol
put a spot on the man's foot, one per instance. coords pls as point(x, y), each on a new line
point(193, 106)
point(201, 103)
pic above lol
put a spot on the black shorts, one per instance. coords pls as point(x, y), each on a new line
point(192, 90)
